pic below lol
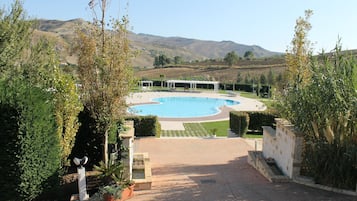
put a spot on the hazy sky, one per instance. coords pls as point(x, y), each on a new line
point(267, 23)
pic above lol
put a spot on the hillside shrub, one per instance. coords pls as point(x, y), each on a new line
point(238, 122)
point(146, 125)
point(259, 119)
point(30, 151)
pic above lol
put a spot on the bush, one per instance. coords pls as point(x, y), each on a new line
point(88, 142)
point(146, 125)
point(259, 119)
point(337, 168)
point(324, 109)
point(30, 152)
point(10, 175)
point(238, 122)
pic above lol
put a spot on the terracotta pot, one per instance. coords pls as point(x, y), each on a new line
point(108, 197)
point(127, 193)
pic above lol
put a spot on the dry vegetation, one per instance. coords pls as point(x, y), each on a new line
point(217, 71)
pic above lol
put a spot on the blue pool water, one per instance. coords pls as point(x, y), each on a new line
point(182, 107)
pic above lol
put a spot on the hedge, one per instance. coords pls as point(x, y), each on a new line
point(238, 122)
point(88, 142)
point(146, 125)
point(259, 119)
point(30, 151)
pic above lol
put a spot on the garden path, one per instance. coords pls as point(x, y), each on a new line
point(214, 169)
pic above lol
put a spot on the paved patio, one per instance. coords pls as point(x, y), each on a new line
point(214, 170)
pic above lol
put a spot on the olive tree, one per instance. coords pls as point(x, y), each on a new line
point(231, 58)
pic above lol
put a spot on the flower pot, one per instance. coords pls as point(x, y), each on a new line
point(108, 197)
point(127, 193)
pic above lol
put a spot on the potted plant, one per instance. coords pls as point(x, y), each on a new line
point(114, 177)
point(128, 190)
point(111, 192)
point(113, 172)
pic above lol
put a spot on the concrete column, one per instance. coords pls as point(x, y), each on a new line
point(128, 141)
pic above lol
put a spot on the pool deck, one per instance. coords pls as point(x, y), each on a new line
point(246, 104)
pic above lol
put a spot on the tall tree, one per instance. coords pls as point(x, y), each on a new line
point(248, 55)
point(271, 77)
point(105, 70)
point(247, 79)
point(239, 77)
point(36, 61)
point(178, 60)
point(231, 58)
point(156, 61)
point(297, 56)
point(263, 79)
point(29, 86)
point(15, 36)
point(41, 68)
point(68, 106)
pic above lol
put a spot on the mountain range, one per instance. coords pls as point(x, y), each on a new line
point(148, 45)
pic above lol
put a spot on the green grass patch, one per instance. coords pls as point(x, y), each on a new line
point(270, 103)
point(221, 127)
point(253, 136)
point(191, 130)
point(204, 130)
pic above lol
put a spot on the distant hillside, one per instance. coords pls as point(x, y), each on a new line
point(150, 46)
point(191, 49)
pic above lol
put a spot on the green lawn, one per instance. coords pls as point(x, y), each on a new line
point(270, 103)
point(199, 130)
point(204, 130)
point(221, 126)
point(253, 136)
point(191, 130)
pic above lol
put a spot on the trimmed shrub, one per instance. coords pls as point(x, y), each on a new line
point(146, 125)
point(10, 174)
point(259, 119)
point(238, 122)
point(88, 142)
point(30, 155)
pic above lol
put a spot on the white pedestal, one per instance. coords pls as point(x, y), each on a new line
point(82, 188)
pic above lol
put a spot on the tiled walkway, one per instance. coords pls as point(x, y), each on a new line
point(191, 130)
point(214, 170)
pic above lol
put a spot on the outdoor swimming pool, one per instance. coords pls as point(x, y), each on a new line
point(182, 107)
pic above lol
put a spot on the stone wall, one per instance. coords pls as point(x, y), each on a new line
point(284, 145)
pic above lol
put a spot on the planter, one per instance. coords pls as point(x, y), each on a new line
point(108, 197)
point(125, 194)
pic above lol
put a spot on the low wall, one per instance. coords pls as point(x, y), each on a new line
point(284, 145)
point(256, 159)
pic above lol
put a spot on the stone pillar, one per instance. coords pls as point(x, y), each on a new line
point(285, 145)
point(127, 137)
point(83, 195)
